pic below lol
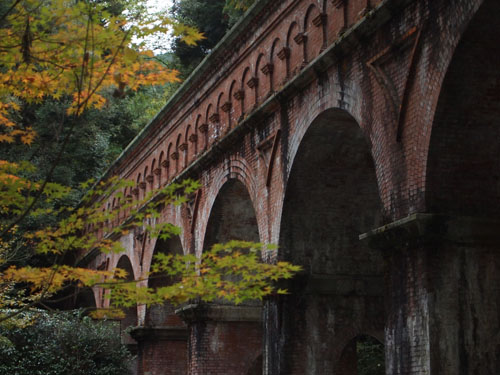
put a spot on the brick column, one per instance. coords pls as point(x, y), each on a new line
point(442, 294)
point(223, 339)
point(161, 350)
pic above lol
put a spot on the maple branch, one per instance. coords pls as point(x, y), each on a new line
point(34, 302)
point(9, 10)
point(80, 106)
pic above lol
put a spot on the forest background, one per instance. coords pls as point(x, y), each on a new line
point(77, 83)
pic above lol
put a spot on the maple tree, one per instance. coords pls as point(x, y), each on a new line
point(75, 49)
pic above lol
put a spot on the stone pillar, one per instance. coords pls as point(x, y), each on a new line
point(161, 350)
point(443, 294)
point(223, 339)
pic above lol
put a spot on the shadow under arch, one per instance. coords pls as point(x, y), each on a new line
point(85, 298)
point(463, 165)
point(331, 197)
point(463, 187)
point(234, 334)
point(163, 315)
point(232, 216)
point(130, 319)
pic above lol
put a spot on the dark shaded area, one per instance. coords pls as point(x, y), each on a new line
point(331, 198)
point(464, 156)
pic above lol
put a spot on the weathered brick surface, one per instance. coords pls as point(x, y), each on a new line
point(314, 122)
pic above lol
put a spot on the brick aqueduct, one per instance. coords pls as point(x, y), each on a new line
point(360, 136)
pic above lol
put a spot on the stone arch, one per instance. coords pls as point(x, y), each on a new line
point(462, 198)
point(236, 169)
point(208, 113)
point(164, 314)
point(180, 149)
point(85, 298)
point(144, 182)
point(262, 80)
point(331, 197)
point(296, 51)
point(137, 188)
point(170, 163)
point(218, 121)
point(245, 92)
point(463, 163)
point(153, 174)
point(190, 152)
point(235, 110)
point(201, 134)
point(232, 216)
point(313, 32)
point(130, 319)
point(161, 159)
point(278, 60)
point(210, 134)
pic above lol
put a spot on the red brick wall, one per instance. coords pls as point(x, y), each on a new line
point(224, 347)
point(426, 111)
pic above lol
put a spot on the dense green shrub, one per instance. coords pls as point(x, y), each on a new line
point(62, 344)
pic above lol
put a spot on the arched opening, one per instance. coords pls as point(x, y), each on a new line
point(363, 355)
point(279, 62)
point(246, 92)
point(295, 50)
point(232, 217)
point(85, 298)
point(130, 319)
point(331, 198)
point(164, 314)
point(463, 169)
point(313, 28)
point(463, 182)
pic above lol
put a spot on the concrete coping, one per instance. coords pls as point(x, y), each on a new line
point(223, 313)
point(429, 227)
point(165, 333)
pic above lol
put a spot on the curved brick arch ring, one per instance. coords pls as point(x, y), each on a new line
point(328, 102)
point(350, 105)
point(234, 168)
point(170, 215)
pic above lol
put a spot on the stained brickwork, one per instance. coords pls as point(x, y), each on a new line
point(314, 124)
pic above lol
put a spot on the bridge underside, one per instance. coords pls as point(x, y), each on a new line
point(362, 137)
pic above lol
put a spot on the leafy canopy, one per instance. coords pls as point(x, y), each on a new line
point(73, 50)
point(58, 48)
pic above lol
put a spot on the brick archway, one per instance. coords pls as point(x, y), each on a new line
point(222, 336)
point(464, 150)
point(233, 170)
point(383, 68)
point(130, 319)
point(330, 199)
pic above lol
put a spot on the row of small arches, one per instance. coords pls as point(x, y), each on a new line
point(298, 44)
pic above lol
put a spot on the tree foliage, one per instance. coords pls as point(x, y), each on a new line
point(61, 62)
point(214, 18)
point(62, 344)
point(62, 48)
